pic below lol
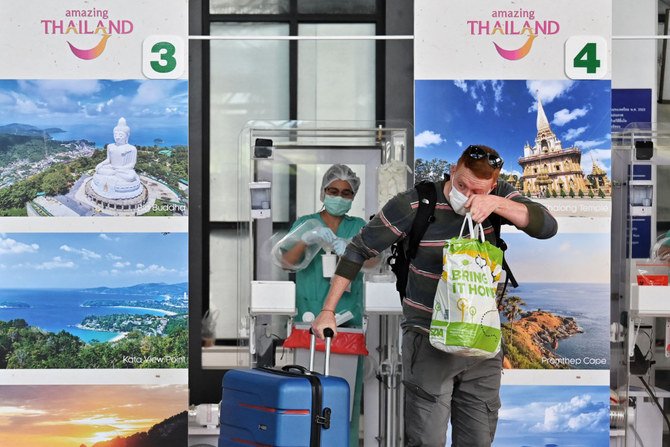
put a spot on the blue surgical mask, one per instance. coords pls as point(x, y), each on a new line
point(336, 205)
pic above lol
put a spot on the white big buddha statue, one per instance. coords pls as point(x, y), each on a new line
point(115, 177)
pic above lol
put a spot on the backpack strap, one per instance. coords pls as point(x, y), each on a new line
point(425, 215)
point(400, 257)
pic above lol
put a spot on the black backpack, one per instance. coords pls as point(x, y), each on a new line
point(425, 215)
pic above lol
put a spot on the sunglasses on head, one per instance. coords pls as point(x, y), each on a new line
point(477, 153)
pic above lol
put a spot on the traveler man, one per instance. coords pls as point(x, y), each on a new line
point(440, 386)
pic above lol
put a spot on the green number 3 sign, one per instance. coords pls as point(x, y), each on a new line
point(167, 61)
point(163, 57)
point(586, 57)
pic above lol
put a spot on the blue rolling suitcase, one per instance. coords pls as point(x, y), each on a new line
point(288, 407)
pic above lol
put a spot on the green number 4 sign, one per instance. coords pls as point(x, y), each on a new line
point(586, 57)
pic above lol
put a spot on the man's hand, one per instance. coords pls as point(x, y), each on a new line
point(326, 318)
point(482, 205)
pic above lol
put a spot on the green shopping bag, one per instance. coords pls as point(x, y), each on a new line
point(465, 312)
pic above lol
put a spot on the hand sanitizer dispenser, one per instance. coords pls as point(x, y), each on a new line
point(261, 200)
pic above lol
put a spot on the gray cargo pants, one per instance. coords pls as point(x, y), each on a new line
point(439, 385)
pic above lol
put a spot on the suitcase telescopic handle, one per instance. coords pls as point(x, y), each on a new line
point(328, 333)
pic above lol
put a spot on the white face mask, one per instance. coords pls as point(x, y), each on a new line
point(457, 200)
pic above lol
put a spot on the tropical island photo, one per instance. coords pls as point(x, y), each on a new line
point(94, 148)
point(109, 317)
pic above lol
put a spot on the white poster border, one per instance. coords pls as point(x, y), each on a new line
point(109, 224)
point(174, 376)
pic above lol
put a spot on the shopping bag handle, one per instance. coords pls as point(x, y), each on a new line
point(476, 231)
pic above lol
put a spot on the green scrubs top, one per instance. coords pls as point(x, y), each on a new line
point(312, 287)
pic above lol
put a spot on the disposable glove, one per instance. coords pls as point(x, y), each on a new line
point(323, 235)
point(339, 245)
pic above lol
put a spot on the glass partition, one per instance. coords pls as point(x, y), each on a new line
point(640, 334)
point(280, 174)
point(336, 78)
point(248, 78)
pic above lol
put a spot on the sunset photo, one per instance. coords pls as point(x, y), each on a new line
point(93, 415)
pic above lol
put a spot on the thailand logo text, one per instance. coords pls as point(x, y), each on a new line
point(81, 25)
point(513, 22)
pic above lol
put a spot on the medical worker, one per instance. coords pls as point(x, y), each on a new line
point(338, 189)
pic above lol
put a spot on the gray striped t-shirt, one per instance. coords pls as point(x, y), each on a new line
point(393, 223)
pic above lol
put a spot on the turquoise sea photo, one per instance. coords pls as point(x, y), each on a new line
point(586, 303)
point(93, 300)
point(562, 320)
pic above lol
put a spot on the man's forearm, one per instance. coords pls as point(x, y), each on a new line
point(516, 213)
point(338, 286)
